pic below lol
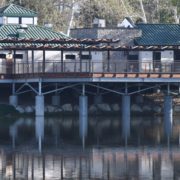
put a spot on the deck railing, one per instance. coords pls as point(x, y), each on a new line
point(89, 67)
point(97, 67)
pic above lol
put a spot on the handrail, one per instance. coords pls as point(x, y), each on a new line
point(87, 66)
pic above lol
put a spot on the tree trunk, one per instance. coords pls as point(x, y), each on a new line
point(143, 11)
point(72, 18)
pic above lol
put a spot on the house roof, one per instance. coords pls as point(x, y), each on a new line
point(32, 31)
point(13, 10)
point(159, 34)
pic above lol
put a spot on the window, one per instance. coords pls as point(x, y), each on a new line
point(157, 56)
point(87, 56)
point(70, 56)
point(18, 56)
point(13, 20)
point(3, 56)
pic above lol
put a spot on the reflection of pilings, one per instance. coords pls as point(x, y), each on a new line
point(168, 115)
point(14, 166)
point(62, 162)
point(83, 117)
point(39, 128)
point(125, 116)
point(43, 165)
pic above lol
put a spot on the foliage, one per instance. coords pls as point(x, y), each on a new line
point(59, 12)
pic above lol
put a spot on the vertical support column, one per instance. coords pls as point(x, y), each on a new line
point(33, 61)
point(126, 114)
point(13, 99)
point(98, 97)
point(56, 97)
point(39, 104)
point(62, 64)
point(44, 63)
point(108, 59)
point(56, 100)
point(90, 59)
point(83, 115)
point(168, 115)
point(80, 57)
point(14, 67)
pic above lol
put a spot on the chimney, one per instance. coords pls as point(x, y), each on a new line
point(48, 25)
point(99, 23)
point(21, 31)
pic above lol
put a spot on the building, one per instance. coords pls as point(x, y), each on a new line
point(160, 36)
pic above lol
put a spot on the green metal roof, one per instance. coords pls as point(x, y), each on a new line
point(32, 31)
point(13, 10)
point(159, 34)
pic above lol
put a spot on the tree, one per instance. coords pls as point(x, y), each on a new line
point(111, 10)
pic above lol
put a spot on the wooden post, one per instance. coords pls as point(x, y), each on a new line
point(33, 61)
point(108, 59)
point(80, 58)
point(62, 59)
point(14, 67)
point(43, 65)
point(90, 58)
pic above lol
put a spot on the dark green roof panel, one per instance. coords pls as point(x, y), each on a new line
point(13, 10)
point(32, 31)
point(159, 34)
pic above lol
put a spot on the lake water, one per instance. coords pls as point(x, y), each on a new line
point(58, 148)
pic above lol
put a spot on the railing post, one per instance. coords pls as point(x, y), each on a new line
point(89, 66)
point(92, 68)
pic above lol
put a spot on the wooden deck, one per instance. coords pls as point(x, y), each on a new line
point(90, 75)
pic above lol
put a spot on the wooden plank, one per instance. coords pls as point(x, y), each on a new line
point(165, 75)
point(132, 75)
point(142, 75)
point(120, 75)
point(97, 75)
point(176, 75)
point(154, 75)
point(108, 75)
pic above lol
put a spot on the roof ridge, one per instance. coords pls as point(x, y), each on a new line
point(10, 5)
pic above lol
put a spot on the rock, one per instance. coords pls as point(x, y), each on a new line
point(20, 109)
point(177, 108)
point(104, 107)
point(92, 109)
point(115, 107)
point(136, 108)
point(67, 107)
point(157, 109)
point(147, 108)
point(28, 109)
point(51, 109)
point(58, 110)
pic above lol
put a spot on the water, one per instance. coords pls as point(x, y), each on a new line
point(58, 148)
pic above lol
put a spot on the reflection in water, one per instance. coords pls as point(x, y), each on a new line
point(83, 125)
point(62, 156)
point(39, 123)
point(95, 164)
